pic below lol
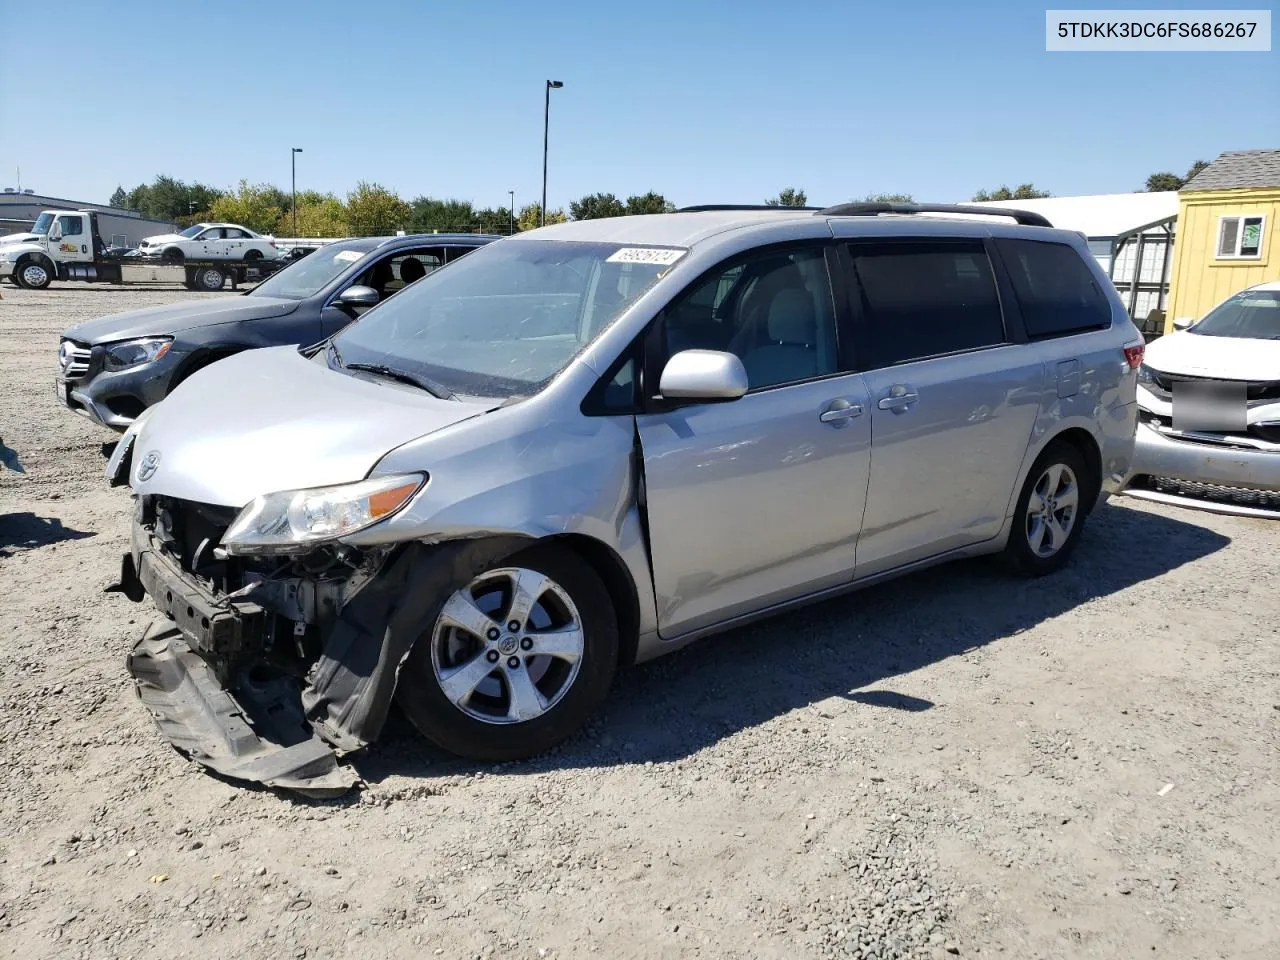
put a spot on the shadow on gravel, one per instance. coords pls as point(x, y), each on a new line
point(671, 707)
point(28, 530)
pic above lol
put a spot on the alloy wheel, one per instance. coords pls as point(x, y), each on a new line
point(1051, 510)
point(507, 647)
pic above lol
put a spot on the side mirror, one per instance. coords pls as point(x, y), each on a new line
point(358, 296)
point(55, 231)
point(1181, 323)
point(705, 375)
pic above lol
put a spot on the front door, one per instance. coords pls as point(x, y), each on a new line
point(76, 243)
point(953, 402)
point(759, 500)
point(212, 244)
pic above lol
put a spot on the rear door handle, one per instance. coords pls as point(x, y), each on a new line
point(839, 411)
point(900, 397)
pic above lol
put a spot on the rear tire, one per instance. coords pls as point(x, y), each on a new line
point(1050, 513)
point(210, 278)
point(252, 256)
point(507, 701)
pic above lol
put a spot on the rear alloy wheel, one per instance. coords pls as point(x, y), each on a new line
point(1050, 514)
point(33, 275)
point(210, 278)
point(514, 661)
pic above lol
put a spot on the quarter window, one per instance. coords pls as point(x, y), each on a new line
point(1056, 291)
point(924, 299)
point(774, 311)
point(1240, 238)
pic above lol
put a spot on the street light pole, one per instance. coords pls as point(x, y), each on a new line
point(293, 165)
point(546, 124)
point(511, 231)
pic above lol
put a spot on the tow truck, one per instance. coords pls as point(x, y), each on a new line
point(66, 245)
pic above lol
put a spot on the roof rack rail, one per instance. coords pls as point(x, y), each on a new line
point(1024, 217)
point(705, 207)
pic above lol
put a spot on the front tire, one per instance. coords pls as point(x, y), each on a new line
point(516, 660)
point(1049, 518)
point(33, 274)
point(173, 256)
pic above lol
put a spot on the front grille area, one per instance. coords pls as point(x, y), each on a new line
point(1212, 492)
point(74, 359)
point(1161, 384)
point(188, 532)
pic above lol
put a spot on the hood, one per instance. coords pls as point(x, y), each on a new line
point(19, 238)
point(269, 420)
point(163, 238)
point(1227, 358)
point(176, 317)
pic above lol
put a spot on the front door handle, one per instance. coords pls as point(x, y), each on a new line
point(840, 411)
point(900, 397)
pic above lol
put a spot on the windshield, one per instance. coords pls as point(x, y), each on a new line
point(310, 275)
point(1250, 315)
point(42, 224)
point(192, 231)
point(503, 321)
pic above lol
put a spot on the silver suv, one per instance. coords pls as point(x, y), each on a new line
point(588, 445)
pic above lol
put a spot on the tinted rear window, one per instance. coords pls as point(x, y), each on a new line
point(923, 299)
point(1056, 291)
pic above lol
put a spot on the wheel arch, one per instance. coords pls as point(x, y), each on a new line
point(1087, 446)
point(617, 580)
point(203, 356)
point(40, 257)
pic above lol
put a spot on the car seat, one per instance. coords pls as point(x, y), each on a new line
point(412, 269)
point(791, 352)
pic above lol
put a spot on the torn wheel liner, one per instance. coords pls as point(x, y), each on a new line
point(257, 731)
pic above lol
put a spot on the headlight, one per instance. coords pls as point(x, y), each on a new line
point(276, 522)
point(133, 352)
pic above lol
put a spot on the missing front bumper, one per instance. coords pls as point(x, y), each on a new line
point(259, 734)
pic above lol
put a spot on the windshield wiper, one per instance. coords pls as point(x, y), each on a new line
point(404, 376)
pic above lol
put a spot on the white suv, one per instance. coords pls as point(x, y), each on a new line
point(211, 241)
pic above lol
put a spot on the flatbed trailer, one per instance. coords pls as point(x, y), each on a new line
point(73, 250)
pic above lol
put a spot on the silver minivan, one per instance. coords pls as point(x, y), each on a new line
point(585, 446)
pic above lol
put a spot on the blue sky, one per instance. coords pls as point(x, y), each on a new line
point(703, 101)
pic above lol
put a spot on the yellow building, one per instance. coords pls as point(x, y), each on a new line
point(1228, 231)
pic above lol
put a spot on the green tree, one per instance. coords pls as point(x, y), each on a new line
point(1024, 191)
point(788, 197)
point(528, 217)
point(495, 220)
point(1171, 181)
point(648, 203)
point(119, 199)
point(446, 216)
point(374, 211)
point(255, 206)
point(595, 206)
point(890, 198)
point(167, 199)
point(319, 215)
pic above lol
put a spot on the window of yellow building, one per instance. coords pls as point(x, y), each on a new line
point(1240, 238)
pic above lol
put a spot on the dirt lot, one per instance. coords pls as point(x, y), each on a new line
point(953, 764)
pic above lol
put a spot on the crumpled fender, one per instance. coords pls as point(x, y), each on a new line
point(349, 688)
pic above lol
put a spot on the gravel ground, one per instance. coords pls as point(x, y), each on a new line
point(953, 764)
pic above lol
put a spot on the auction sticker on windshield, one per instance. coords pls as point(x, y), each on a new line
point(350, 256)
point(662, 257)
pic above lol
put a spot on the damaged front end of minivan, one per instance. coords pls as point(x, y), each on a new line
point(270, 668)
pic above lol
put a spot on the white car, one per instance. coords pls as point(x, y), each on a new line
point(211, 241)
point(1209, 410)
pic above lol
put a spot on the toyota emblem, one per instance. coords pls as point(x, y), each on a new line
point(147, 468)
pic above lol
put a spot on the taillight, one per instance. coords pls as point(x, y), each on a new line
point(1133, 355)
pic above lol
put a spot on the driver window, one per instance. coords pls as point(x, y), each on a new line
point(774, 312)
point(213, 234)
point(71, 226)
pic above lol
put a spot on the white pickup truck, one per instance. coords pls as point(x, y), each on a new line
point(67, 245)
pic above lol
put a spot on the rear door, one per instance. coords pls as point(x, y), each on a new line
point(758, 500)
point(953, 398)
point(233, 243)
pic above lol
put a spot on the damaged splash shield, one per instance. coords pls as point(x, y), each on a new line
point(260, 734)
point(261, 726)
